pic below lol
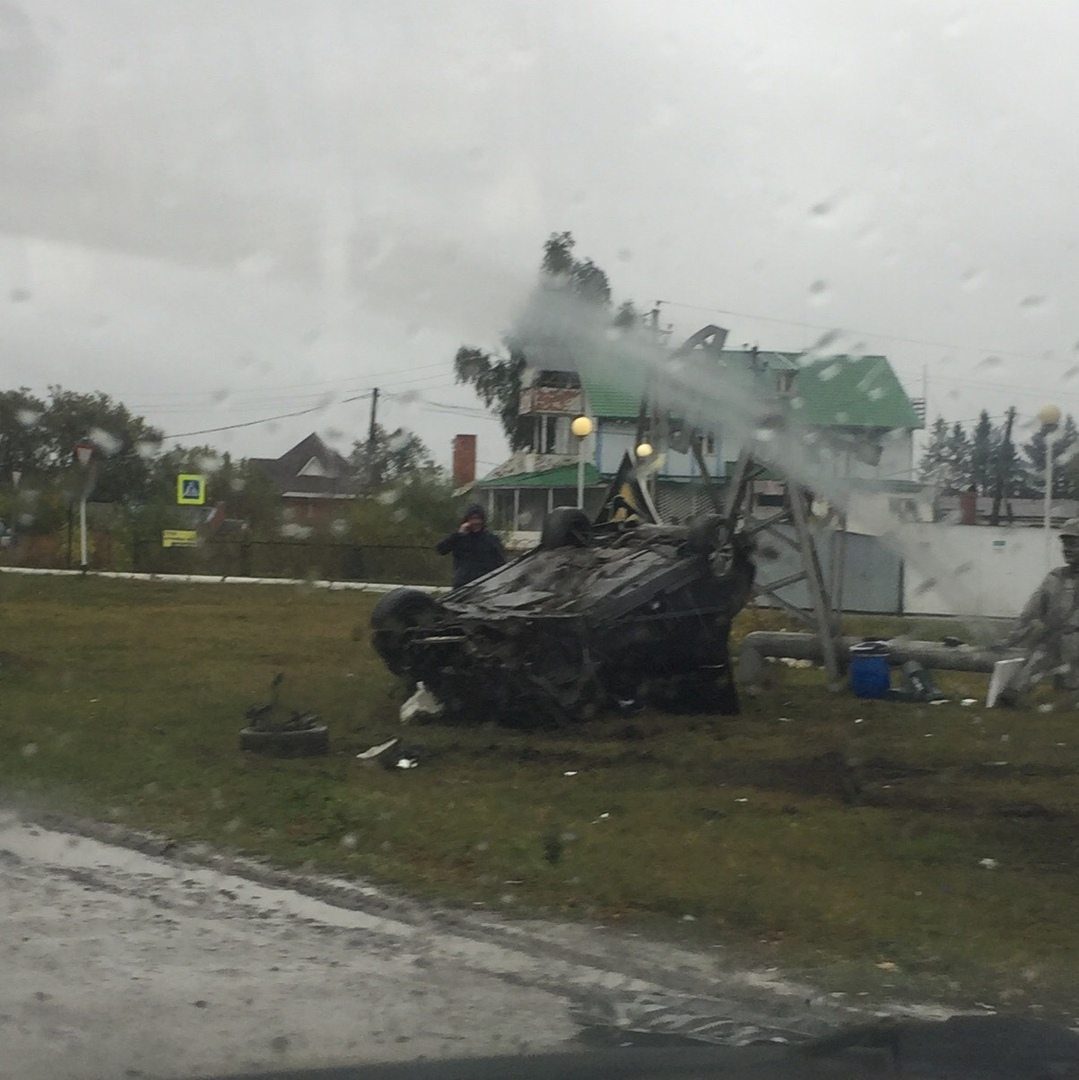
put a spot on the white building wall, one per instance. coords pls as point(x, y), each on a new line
point(614, 438)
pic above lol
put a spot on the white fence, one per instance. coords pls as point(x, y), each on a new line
point(972, 569)
point(925, 569)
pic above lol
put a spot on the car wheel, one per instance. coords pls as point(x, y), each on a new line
point(395, 614)
point(566, 526)
point(703, 535)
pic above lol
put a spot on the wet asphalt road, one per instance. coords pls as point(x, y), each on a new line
point(119, 963)
point(113, 963)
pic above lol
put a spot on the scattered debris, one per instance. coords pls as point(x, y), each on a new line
point(1004, 674)
point(423, 704)
point(989, 864)
point(280, 732)
point(921, 682)
point(919, 686)
point(375, 751)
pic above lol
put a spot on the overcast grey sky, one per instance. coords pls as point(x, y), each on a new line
point(222, 210)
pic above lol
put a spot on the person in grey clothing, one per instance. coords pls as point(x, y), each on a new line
point(1047, 630)
point(476, 550)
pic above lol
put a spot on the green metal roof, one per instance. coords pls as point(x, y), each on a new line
point(619, 397)
point(562, 476)
point(836, 391)
point(852, 391)
point(621, 402)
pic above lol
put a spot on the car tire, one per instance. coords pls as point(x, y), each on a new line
point(566, 526)
point(298, 742)
point(395, 614)
point(703, 534)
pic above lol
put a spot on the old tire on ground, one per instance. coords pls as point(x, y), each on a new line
point(298, 742)
point(392, 617)
point(566, 526)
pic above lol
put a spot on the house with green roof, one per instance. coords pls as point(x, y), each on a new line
point(859, 423)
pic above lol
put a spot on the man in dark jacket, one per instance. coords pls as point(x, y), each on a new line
point(475, 550)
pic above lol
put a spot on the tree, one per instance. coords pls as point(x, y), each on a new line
point(534, 343)
point(394, 454)
point(579, 276)
point(418, 508)
point(957, 454)
point(627, 317)
point(247, 494)
point(1009, 476)
point(20, 447)
point(934, 467)
point(981, 454)
point(244, 490)
point(38, 439)
point(987, 461)
point(498, 382)
point(1064, 446)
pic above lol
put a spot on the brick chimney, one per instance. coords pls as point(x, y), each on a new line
point(464, 460)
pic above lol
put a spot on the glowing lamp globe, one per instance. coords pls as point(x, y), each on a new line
point(1049, 416)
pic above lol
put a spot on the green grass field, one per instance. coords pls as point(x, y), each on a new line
point(840, 839)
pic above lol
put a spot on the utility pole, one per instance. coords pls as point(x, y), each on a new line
point(1004, 453)
point(371, 442)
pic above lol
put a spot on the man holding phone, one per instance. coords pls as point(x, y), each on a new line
point(476, 551)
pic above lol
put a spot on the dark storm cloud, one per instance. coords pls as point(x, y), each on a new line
point(905, 170)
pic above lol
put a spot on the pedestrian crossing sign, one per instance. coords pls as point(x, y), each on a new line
point(190, 489)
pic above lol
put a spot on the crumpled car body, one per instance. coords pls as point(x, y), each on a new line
point(597, 616)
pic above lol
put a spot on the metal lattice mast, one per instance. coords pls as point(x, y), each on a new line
point(794, 514)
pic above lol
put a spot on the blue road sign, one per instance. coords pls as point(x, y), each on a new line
point(190, 489)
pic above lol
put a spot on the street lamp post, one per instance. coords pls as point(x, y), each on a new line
point(582, 428)
point(1049, 417)
point(16, 476)
point(643, 451)
point(84, 451)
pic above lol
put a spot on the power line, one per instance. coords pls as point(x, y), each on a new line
point(366, 377)
point(1002, 386)
point(433, 406)
point(253, 423)
point(266, 402)
point(255, 396)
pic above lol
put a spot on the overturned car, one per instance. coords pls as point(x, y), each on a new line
point(610, 615)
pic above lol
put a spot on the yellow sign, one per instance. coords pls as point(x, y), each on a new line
point(190, 489)
point(179, 538)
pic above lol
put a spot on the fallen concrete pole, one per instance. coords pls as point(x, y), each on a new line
point(761, 644)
